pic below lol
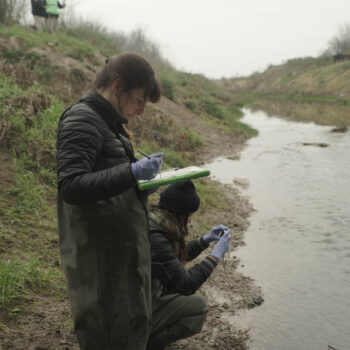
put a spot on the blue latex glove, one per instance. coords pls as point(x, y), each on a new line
point(213, 235)
point(147, 168)
point(221, 247)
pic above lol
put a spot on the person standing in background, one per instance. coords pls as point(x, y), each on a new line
point(39, 13)
point(52, 14)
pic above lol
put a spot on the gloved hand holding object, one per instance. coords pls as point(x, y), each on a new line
point(213, 235)
point(147, 168)
point(221, 247)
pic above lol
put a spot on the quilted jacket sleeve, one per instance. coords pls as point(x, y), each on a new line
point(79, 141)
point(171, 272)
point(195, 247)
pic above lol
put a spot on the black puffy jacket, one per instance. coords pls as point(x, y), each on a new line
point(103, 229)
point(171, 272)
point(94, 153)
point(38, 8)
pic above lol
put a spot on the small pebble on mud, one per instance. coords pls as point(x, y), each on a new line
point(318, 144)
point(340, 129)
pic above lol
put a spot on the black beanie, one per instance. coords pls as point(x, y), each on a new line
point(180, 197)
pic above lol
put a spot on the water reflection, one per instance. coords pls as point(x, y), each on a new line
point(298, 242)
point(319, 113)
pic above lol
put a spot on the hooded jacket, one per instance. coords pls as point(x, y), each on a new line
point(103, 229)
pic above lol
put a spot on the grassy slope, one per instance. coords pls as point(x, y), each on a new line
point(302, 79)
point(40, 75)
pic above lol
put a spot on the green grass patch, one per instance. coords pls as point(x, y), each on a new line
point(194, 139)
point(167, 83)
point(212, 108)
point(232, 121)
point(211, 195)
point(33, 116)
point(68, 45)
point(19, 278)
point(191, 104)
point(28, 193)
point(219, 108)
point(8, 89)
point(171, 159)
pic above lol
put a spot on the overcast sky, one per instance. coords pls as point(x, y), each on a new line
point(225, 37)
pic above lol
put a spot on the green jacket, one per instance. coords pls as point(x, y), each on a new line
point(52, 7)
point(103, 230)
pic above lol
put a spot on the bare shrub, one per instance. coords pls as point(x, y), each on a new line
point(135, 41)
point(340, 43)
point(13, 11)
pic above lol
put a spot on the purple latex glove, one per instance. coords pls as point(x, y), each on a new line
point(213, 235)
point(147, 168)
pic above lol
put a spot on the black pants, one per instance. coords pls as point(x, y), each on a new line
point(175, 317)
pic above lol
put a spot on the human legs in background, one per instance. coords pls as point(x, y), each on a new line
point(55, 24)
point(48, 23)
point(175, 317)
point(39, 22)
point(52, 23)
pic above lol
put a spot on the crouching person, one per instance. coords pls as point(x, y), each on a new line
point(177, 312)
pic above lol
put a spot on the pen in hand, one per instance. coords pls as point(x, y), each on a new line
point(158, 155)
point(144, 154)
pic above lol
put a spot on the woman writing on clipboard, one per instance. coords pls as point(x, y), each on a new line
point(102, 216)
point(177, 311)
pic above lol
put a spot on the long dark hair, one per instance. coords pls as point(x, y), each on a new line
point(178, 223)
point(133, 71)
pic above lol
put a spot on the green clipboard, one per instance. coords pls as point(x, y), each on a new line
point(173, 175)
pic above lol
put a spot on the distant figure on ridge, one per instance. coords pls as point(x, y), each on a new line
point(39, 13)
point(52, 14)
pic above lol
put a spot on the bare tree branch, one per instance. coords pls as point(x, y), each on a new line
point(341, 42)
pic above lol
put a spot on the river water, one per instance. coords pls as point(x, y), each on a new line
point(298, 244)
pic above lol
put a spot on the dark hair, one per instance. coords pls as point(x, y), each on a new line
point(133, 71)
point(178, 223)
